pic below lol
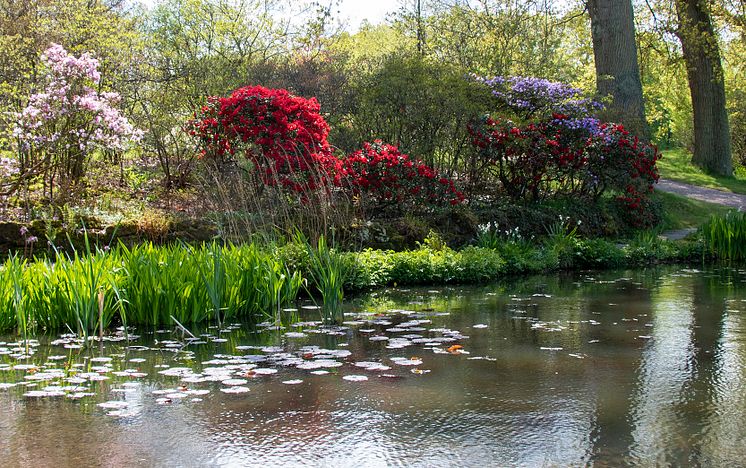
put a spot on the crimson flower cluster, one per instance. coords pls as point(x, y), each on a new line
point(531, 161)
point(384, 175)
point(283, 135)
point(629, 166)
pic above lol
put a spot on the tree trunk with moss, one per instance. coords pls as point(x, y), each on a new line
point(617, 67)
point(712, 150)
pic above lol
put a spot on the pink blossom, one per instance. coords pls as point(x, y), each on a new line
point(94, 121)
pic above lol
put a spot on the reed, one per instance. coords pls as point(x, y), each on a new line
point(213, 275)
point(328, 272)
point(725, 236)
point(144, 285)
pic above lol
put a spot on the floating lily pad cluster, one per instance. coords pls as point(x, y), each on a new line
point(85, 372)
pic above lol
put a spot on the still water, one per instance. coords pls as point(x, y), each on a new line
point(636, 368)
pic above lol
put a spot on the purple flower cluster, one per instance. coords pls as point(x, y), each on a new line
point(530, 96)
point(590, 125)
point(70, 102)
point(8, 167)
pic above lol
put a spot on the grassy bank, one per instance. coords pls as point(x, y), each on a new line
point(676, 164)
point(682, 212)
point(158, 286)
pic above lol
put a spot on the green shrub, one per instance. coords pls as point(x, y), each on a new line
point(598, 253)
point(523, 257)
point(375, 268)
point(480, 265)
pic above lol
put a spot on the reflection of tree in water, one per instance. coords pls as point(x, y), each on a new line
point(681, 392)
point(663, 375)
point(716, 396)
point(611, 380)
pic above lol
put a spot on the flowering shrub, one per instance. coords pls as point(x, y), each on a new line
point(383, 175)
point(623, 163)
point(284, 136)
point(531, 161)
point(558, 148)
point(70, 119)
point(537, 97)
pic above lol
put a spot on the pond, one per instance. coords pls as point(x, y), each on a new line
point(640, 367)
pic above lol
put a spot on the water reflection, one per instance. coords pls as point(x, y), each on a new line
point(724, 424)
point(617, 368)
point(665, 369)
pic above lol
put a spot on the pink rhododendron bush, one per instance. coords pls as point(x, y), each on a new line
point(69, 120)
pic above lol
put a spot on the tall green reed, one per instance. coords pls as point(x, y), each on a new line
point(725, 236)
point(84, 286)
point(214, 278)
point(14, 312)
point(328, 271)
point(145, 285)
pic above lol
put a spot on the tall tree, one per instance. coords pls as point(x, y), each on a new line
point(699, 44)
point(617, 68)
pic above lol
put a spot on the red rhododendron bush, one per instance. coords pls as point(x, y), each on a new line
point(541, 160)
point(284, 136)
point(285, 139)
point(382, 174)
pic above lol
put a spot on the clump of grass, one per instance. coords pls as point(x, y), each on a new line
point(214, 277)
point(561, 240)
point(725, 236)
point(208, 282)
point(328, 272)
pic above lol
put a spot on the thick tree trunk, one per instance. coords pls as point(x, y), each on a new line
point(617, 68)
point(699, 43)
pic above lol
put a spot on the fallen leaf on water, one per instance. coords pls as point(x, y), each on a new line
point(455, 349)
point(234, 390)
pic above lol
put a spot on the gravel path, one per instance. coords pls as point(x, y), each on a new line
point(733, 200)
point(678, 234)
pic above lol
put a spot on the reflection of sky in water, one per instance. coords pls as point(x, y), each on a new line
point(563, 379)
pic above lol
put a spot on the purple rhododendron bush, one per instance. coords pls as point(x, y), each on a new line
point(544, 141)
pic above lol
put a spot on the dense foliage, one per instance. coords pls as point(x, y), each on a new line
point(403, 82)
